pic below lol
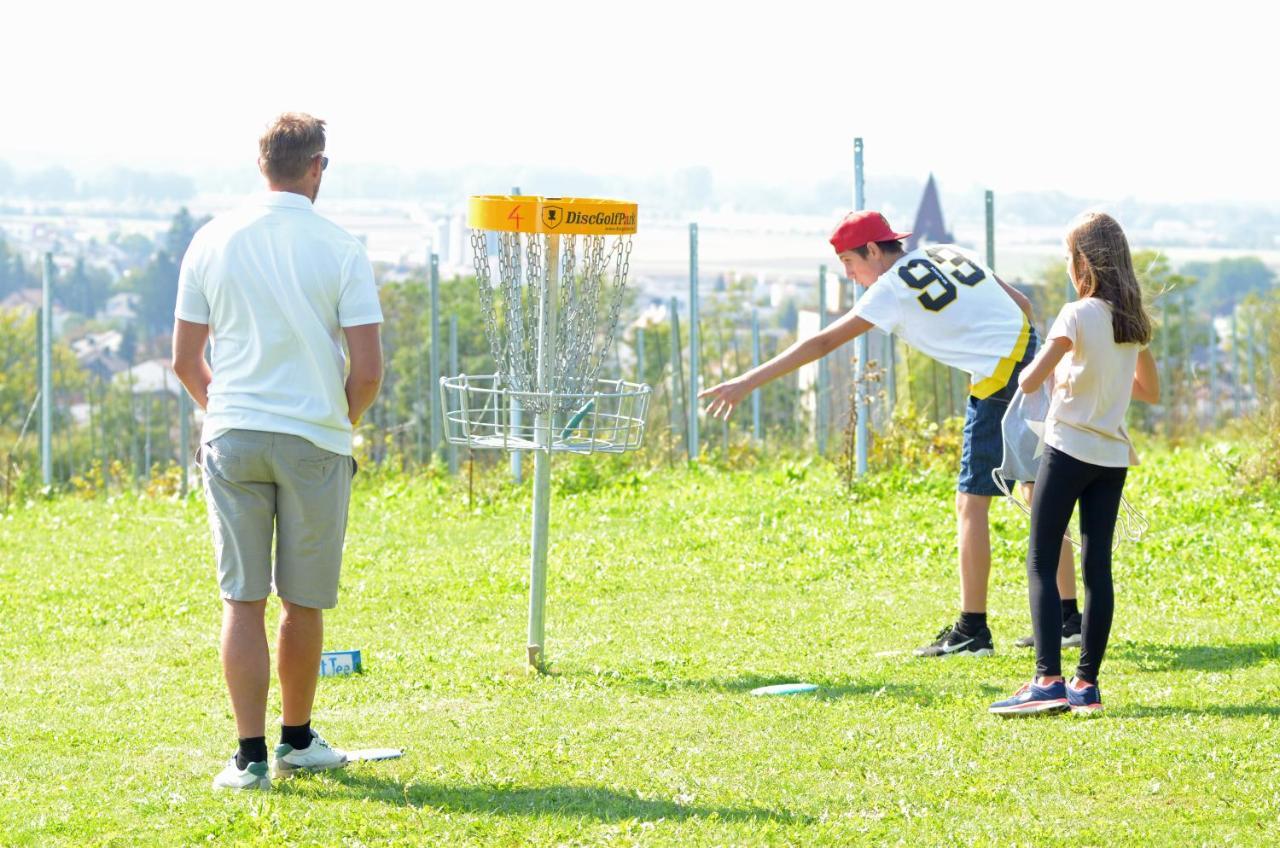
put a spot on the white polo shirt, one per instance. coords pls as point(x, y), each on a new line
point(947, 304)
point(276, 283)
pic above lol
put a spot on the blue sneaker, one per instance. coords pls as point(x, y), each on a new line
point(1034, 699)
point(1086, 701)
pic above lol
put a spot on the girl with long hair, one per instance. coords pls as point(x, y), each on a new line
point(1097, 353)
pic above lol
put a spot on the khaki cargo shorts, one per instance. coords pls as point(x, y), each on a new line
point(256, 483)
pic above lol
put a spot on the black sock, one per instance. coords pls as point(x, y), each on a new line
point(1069, 608)
point(971, 622)
point(297, 736)
point(253, 749)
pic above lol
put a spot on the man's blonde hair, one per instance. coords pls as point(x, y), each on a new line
point(289, 144)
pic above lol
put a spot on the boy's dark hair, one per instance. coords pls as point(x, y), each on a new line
point(891, 246)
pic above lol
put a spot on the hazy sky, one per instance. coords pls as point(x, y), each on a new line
point(1160, 101)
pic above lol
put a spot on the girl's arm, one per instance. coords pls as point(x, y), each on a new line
point(1034, 375)
point(730, 393)
point(1146, 378)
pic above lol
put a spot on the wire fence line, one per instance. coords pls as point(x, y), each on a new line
point(137, 428)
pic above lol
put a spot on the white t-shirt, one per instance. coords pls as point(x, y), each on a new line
point(276, 282)
point(1093, 385)
point(947, 304)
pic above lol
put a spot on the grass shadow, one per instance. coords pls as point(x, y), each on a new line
point(1157, 657)
point(827, 689)
point(584, 802)
point(1224, 711)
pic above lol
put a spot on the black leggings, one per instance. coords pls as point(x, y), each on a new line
point(1061, 482)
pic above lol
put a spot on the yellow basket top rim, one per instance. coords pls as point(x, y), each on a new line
point(551, 215)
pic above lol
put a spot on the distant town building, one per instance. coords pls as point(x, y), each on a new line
point(102, 364)
point(123, 306)
point(26, 302)
point(151, 377)
point(929, 227)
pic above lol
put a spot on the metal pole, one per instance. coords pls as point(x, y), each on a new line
point(859, 194)
point(517, 411)
point(1211, 378)
point(677, 372)
point(1264, 352)
point(1166, 364)
point(46, 372)
point(639, 354)
point(433, 367)
point(1185, 384)
point(821, 394)
point(1235, 363)
point(693, 342)
point(184, 437)
point(757, 429)
point(862, 432)
point(452, 449)
point(991, 229)
point(542, 425)
point(860, 395)
point(420, 405)
point(1251, 368)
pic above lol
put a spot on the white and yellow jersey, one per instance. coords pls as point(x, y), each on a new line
point(947, 304)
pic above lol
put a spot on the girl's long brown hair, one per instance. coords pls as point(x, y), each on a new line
point(1103, 268)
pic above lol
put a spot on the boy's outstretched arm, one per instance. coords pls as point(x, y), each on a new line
point(730, 393)
point(1024, 303)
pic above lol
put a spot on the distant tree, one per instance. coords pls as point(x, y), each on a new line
point(157, 287)
point(84, 290)
point(136, 247)
point(56, 183)
point(123, 184)
point(19, 277)
point(6, 286)
point(18, 368)
point(129, 343)
point(1227, 282)
point(157, 282)
point(181, 230)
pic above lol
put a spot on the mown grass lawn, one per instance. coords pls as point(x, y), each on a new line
point(672, 595)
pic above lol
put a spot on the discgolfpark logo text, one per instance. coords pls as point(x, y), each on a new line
point(599, 219)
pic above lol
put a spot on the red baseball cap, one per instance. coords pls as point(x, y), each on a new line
point(859, 228)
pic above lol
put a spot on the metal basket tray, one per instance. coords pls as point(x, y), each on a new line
point(479, 412)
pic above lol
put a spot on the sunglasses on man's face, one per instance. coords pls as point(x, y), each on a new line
point(324, 160)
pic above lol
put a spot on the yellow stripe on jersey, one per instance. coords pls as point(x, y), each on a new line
point(1004, 369)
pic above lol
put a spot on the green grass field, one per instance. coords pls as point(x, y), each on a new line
point(672, 595)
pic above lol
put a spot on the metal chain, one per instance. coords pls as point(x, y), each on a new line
point(480, 260)
point(511, 325)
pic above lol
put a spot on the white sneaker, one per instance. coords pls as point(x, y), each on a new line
point(317, 756)
point(252, 776)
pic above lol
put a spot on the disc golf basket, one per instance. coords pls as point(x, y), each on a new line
point(550, 317)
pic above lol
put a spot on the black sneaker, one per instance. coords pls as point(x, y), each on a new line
point(952, 641)
point(1070, 634)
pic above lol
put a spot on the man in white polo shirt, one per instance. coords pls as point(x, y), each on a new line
point(277, 288)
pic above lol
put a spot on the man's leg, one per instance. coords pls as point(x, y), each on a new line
point(974, 538)
point(315, 492)
point(1067, 572)
point(241, 502)
point(246, 665)
point(298, 649)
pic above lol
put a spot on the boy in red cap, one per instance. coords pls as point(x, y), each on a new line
point(947, 304)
